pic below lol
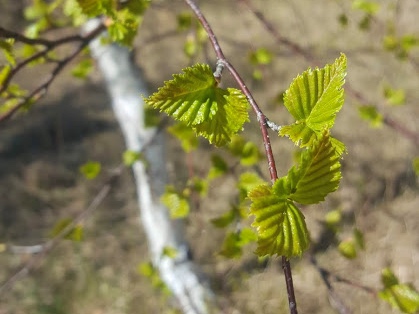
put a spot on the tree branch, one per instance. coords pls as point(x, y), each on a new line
point(42, 89)
point(263, 124)
point(307, 55)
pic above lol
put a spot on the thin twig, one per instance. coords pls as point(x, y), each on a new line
point(42, 89)
point(263, 123)
point(308, 56)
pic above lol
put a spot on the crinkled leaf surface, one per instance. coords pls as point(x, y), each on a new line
point(317, 174)
point(280, 224)
point(194, 98)
point(313, 99)
point(403, 297)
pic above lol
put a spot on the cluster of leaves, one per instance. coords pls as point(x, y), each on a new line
point(313, 99)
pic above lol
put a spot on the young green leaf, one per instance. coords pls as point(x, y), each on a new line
point(247, 151)
point(317, 174)
point(280, 225)
point(194, 98)
point(90, 170)
point(6, 45)
point(261, 56)
point(313, 99)
point(403, 297)
point(176, 203)
point(369, 7)
point(347, 249)
point(394, 96)
point(82, 69)
point(129, 157)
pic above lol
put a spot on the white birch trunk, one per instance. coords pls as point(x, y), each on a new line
point(125, 86)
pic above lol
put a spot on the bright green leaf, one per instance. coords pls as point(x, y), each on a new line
point(347, 249)
point(369, 7)
point(82, 69)
point(90, 170)
point(261, 56)
point(403, 297)
point(247, 182)
point(370, 114)
point(394, 96)
point(194, 98)
point(6, 45)
point(280, 225)
point(317, 174)
point(91, 8)
point(408, 42)
point(247, 151)
point(129, 157)
point(170, 252)
point(313, 99)
point(333, 219)
point(4, 72)
point(177, 203)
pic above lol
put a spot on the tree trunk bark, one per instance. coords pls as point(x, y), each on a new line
point(125, 85)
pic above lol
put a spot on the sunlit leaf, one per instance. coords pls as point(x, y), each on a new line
point(177, 203)
point(247, 151)
point(347, 249)
point(317, 174)
point(130, 157)
point(333, 219)
point(82, 69)
point(403, 297)
point(90, 170)
point(261, 56)
point(6, 46)
point(394, 96)
point(313, 99)
point(169, 252)
point(279, 223)
point(194, 98)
